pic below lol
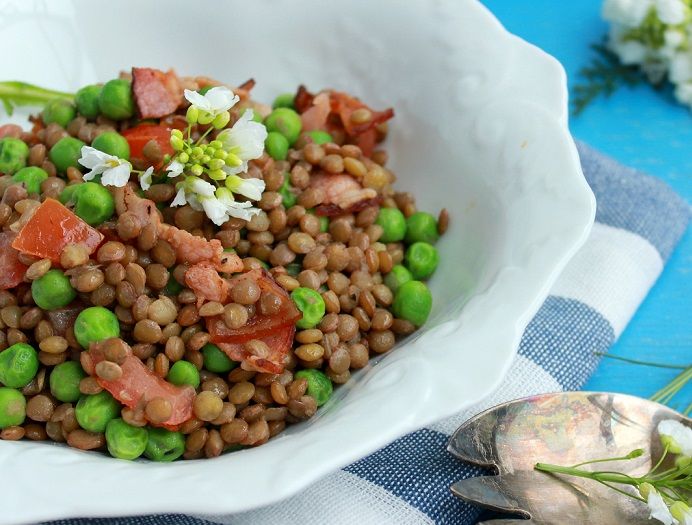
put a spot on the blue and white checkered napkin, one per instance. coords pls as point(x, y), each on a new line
point(638, 223)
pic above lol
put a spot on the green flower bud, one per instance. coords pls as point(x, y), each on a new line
point(196, 169)
point(216, 144)
point(177, 133)
point(176, 143)
point(679, 510)
point(216, 164)
point(197, 152)
point(233, 160)
point(192, 115)
point(183, 157)
point(217, 174)
point(220, 154)
point(221, 120)
point(205, 159)
point(205, 118)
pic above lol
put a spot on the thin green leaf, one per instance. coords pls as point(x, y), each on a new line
point(15, 93)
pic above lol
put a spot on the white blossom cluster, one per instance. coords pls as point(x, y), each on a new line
point(657, 36)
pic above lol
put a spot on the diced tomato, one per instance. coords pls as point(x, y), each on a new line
point(51, 228)
point(279, 344)
point(12, 271)
point(138, 385)
point(138, 136)
point(156, 93)
point(259, 326)
point(10, 130)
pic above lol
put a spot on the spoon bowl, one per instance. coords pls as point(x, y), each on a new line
point(563, 428)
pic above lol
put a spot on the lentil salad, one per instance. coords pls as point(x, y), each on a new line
point(186, 270)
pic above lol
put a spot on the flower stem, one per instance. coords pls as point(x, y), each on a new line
point(14, 93)
point(668, 392)
point(614, 477)
point(638, 362)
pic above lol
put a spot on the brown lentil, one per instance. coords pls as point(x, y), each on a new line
point(85, 440)
point(40, 408)
point(54, 344)
point(74, 255)
point(207, 406)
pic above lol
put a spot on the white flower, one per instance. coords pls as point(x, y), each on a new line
point(677, 436)
point(239, 210)
point(215, 210)
point(200, 187)
point(681, 67)
point(683, 92)
point(174, 169)
point(659, 509)
point(180, 199)
point(681, 512)
point(145, 178)
point(215, 101)
point(670, 11)
point(251, 188)
point(245, 140)
point(113, 170)
point(628, 51)
point(630, 13)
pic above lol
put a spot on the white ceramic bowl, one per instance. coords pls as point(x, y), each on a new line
point(480, 128)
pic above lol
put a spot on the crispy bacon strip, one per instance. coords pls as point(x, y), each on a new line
point(138, 385)
point(279, 344)
point(189, 248)
point(343, 194)
point(156, 93)
point(205, 281)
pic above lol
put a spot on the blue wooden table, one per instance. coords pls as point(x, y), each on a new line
point(648, 131)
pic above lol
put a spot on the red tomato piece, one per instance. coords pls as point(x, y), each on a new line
point(156, 93)
point(12, 270)
point(51, 228)
point(259, 326)
point(279, 344)
point(139, 385)
point(138, 136)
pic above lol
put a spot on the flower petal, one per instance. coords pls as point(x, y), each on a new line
point(198, 100)
point(175, 168)
point(679, 434)
point(215, 210)
point(221, 99)
point(117, 176)
point(179, 198)
point(246, 138)
point(659, 509)
point(200, 187)
point(145, 178)
point(251, 188)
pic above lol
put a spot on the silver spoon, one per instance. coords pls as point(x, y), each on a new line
point(565, 429)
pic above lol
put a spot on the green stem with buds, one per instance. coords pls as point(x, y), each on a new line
point(14, 93)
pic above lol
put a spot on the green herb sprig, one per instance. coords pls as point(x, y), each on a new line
point(14, 93)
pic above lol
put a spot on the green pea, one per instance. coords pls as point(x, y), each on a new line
point(311, 304)
point(286, 121)
point(393, 224)
point(18, 365)
point(276, 145)
point(319, 385)
point(13, 155)
point(284, 100)
point(52, 290)
point(288, 198)
point(215, 360)
point(67, 196)
point(183, 373)
point(12, 407)
point(60, 112)
point(93, 202)
point(125, 441)
point(64, 381)
point(93, 412)
point(173, 287)
point(32, 177)
point(115, 100)
point(95, 324)
point(413, 302)
point(65, 153)
point(320, 137)
point(164, 445)
point(87, 100)
point(397, 276)
point(324, 223)
point(113, 143)
point(421, 227)
point(421, 259)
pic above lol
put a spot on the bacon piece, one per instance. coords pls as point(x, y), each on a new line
point(138, 385)
point(189, 248)
point(303, 99)
point(13, 271)
point(315, 117)
point(344, 105)
point(156, 93)
point(205, 281)
point(279, 344)
point(342, 194)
